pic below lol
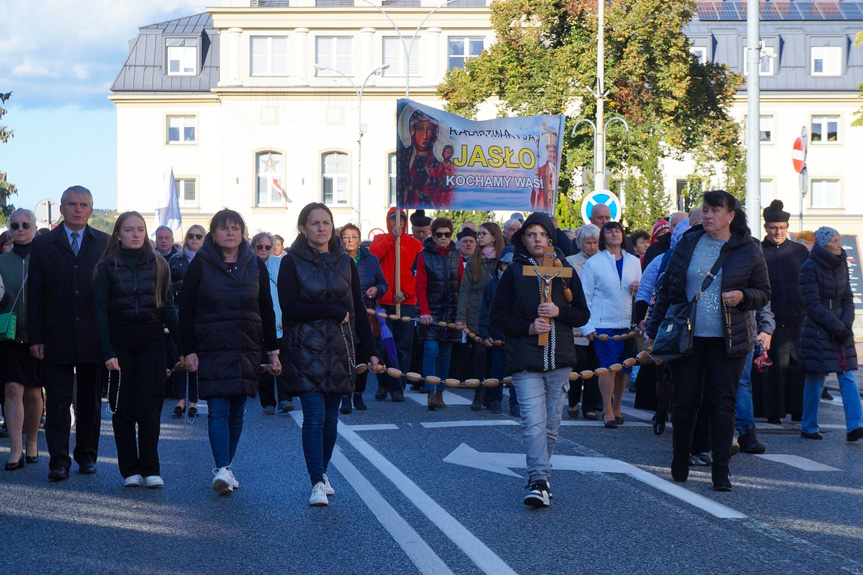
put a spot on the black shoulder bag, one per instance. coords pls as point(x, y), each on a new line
point(674, 336)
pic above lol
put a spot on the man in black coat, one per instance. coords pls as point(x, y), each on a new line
point(62, 329)
point(779, 390)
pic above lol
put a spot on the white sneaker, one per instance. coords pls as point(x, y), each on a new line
point(222, 481)
point(154, 482)
point(234, 483)
point(319, 495)
point(133, 481)
point(328, 489)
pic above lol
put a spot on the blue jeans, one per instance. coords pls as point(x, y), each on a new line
point(812, 385)
point(403, 336)
point(225, 424)
point(541, 397)
point(320, 428)
point(436, 355)
point(744, 413)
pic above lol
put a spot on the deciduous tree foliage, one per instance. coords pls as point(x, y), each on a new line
point(6, 188)
point(544, 59)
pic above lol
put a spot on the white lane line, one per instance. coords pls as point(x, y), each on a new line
point(448, 398)
point(484, 558)
point(420, 553)
point(372, 427)
point(588, 423)
point(639, 413)
point(798, 462)
point(468, 423)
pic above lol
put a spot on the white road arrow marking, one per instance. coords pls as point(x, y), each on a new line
point(798, 462)
point(502, 462)
point(448, 398)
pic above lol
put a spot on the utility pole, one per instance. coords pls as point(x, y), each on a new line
point(599, 144)
point(753, 124)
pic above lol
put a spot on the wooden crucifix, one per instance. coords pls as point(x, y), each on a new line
point(547, 271)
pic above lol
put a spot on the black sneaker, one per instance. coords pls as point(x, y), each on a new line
point(750, 444)
point(825, 394)
point(381, 393)
point(178, 412)
point(193, 412)
point(537, 494)
point(359, 404)
point(286, 406)
point(854, 434)
point(397, 394)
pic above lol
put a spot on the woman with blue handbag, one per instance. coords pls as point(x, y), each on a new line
point(20, 372)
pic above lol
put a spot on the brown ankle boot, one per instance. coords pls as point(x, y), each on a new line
point(432, 404)
point(439, 399)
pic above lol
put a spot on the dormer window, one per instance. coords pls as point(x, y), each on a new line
point(182, 58)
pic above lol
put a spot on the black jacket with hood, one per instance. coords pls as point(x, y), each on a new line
point(515, 304)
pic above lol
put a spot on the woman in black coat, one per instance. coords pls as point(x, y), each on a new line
point(826, 340)
point(185, 384)
point(226, 319)
point(326, 334)
point(373, 285)
point(722, 332)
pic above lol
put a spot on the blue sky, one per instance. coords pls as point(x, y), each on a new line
point(59, 58)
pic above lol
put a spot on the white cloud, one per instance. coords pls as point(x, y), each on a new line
point(30, 69)
point(54, 50)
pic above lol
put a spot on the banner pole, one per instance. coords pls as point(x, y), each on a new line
point(397, 270)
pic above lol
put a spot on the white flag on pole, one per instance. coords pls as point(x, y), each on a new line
point(168, 208)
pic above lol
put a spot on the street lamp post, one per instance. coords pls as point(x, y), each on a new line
point(360, 131)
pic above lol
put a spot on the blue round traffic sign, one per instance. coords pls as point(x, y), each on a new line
point(601, 197)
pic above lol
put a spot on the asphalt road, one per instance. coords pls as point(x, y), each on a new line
point(440, 492)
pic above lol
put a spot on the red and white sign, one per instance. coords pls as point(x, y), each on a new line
point(798, 155)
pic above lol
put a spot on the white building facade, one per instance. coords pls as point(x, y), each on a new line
point(265, 106)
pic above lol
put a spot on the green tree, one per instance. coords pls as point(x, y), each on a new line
point(459, 217)
point(103, 220)
point(6, 188)
point(545, 57)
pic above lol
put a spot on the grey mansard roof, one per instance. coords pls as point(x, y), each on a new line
point(145, 69)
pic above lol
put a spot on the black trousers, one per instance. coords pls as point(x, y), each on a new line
point(779, 390)
point(138, 392)
point(59, 383)
point(179, 380)
point(710, 377)
point(585, 391)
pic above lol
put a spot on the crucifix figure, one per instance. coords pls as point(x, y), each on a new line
point(549, 269)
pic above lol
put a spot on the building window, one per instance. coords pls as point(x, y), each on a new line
point(825, 194)
point(334, 178)
point(269, 172)
point(825, 129)
point(462, 49)
point(700, 53)
point(394, 57)
point(182, 60)
point(391, 172)
point(269, 55)
point(182, 129)
point(333, 55)
point(826, 61)
point(765, 130)
point(768, 57)
point(187, 192)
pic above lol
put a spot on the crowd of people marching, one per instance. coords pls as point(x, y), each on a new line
point(228, 318)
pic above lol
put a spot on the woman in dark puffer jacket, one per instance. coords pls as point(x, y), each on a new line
point(327, 334)
point(226, 319)
point(826, 340)
point(722, 336)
